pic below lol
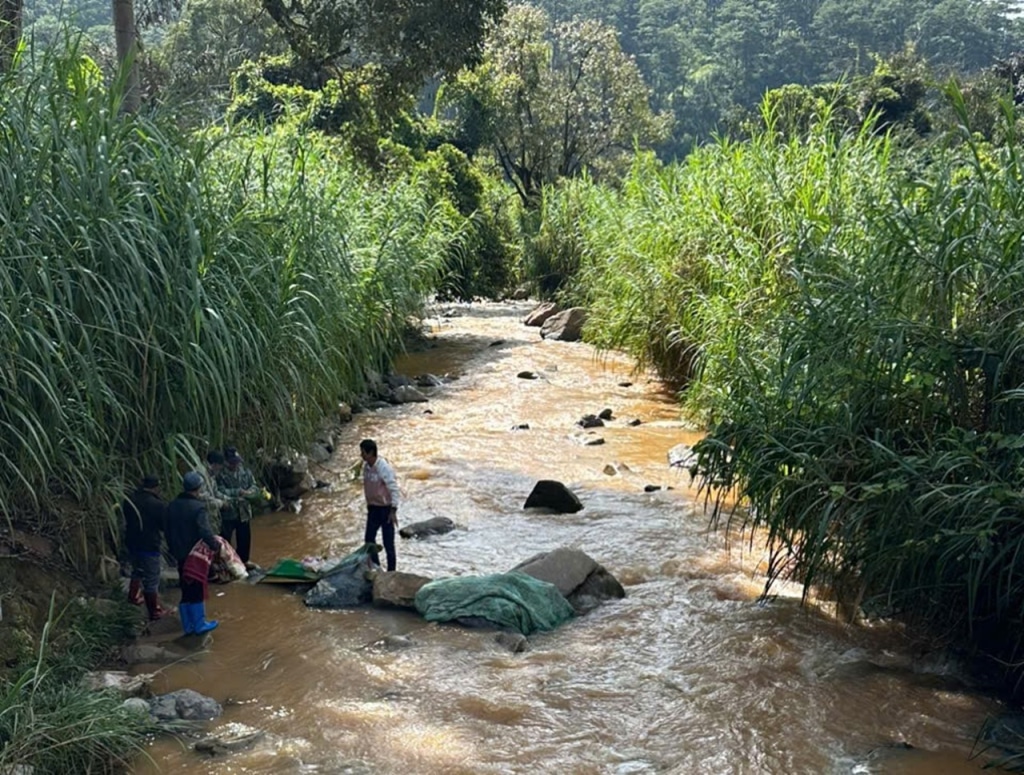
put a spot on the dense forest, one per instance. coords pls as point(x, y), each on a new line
point(217, 217)
point(706, 63)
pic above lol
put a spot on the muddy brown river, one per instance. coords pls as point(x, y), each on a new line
point(687, 674)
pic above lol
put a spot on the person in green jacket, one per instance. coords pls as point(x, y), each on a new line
point(236, 485)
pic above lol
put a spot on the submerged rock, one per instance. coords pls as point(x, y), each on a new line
point(407, 394)
point(228, 739)
point(392, 643)
point(515, 642)
point(429, 527)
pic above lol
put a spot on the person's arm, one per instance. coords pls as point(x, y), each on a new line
point(387, 475)
point(210, 494)
point(205, 532)
point(248, 481)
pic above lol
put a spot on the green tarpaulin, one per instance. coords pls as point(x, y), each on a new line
point(289, 571)
point(513, 601)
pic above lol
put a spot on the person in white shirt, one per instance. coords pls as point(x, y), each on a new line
point(381, 489)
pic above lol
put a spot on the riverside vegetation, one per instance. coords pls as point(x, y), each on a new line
point(837, 288)
point(846, 315)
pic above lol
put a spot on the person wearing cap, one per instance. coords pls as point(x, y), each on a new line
point(144, 514)
point(236, 485)
point(209, 493)
point(381, 489)
point(187, 524)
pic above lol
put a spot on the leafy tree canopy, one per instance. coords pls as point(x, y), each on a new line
point(406, 41)
point(554, 101)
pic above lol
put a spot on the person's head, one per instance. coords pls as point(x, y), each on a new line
point(368, 451)
point(215, 459)
point(150, 482)
point(231, 458)
point(192, 482)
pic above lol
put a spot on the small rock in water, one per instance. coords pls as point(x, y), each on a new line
point(605, 414)
point(625, 384)
point(527, 375)
point(428, 381)
point(497, 343)
point(652, 487)
point(230, 738)
point(523, 426)
point(136, 705)
point(513, 641)
point(392, 643)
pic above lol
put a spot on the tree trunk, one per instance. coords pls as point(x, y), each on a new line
point(127, 49)
point(10, 32)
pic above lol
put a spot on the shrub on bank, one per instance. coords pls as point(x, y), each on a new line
point(50, 723)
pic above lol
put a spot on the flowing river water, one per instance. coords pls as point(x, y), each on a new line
point(688, 674)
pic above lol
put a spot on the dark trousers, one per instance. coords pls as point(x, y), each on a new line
point(191, 591)
point(146, 568)
point(244, 529)
point(379, 518)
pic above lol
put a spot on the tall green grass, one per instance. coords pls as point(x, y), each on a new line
point(160, 291)
point(848, 316)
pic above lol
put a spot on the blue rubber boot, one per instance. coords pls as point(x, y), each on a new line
point(187, 613)
point(200, 625)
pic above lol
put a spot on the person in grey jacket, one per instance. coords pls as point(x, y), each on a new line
point(236, 484)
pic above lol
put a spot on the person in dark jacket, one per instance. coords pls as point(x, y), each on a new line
point(187, 524)
point(144, 514)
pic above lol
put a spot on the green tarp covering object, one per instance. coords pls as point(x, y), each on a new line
point(513, 601)
point(289, 571)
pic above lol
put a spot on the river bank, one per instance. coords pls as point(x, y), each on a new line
point(687, 674)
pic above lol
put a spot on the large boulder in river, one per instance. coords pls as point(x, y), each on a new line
point(549, 494)
point(430, 527)
point(540, 314)
point(397, 590)
point(583, 581)
point(682, 456)
point(566, 326)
